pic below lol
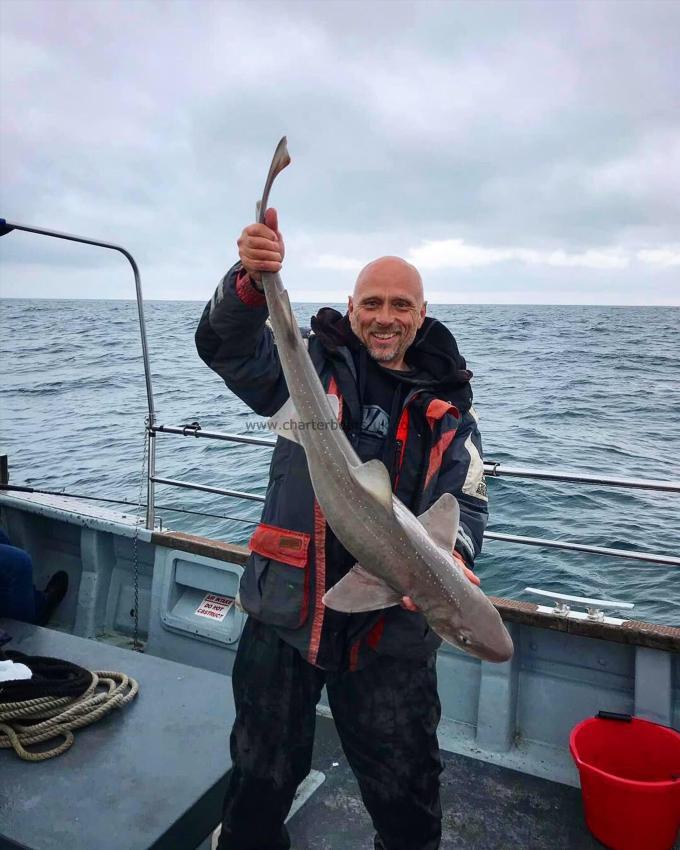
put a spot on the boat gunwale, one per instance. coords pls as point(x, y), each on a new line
point(631, 632)
point(69, 509)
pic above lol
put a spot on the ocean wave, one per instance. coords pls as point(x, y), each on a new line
point(570, 388)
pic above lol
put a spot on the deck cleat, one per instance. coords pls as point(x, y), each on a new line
point(594, 608)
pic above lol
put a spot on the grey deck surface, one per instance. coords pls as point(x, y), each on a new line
point(148, 776)
point(485, 807)
point(151, 776)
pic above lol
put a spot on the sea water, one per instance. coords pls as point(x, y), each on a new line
point(591, 389)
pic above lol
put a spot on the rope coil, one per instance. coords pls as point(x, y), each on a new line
point(32, 712)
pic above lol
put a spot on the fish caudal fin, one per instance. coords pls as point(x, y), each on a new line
point(441, 521)
point(359, 591)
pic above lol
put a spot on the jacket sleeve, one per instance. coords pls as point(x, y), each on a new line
point(234, 340)
point(462, 474)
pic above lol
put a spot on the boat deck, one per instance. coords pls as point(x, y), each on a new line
point(150, 775)
point(486, 807)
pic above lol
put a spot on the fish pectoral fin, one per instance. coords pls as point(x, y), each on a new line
point(441, 521)
point(360, 591)
point(334, 402)
point(286, 421)
point(375, 479)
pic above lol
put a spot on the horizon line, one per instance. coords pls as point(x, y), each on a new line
point(439, 303)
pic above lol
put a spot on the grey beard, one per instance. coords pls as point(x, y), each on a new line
point(383, 356)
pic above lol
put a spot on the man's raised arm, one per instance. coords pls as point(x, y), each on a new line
point(232, 337)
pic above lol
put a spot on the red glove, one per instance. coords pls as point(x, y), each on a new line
point(468, 572)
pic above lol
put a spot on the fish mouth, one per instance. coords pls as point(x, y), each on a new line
point(497, 652)
point(496, 655)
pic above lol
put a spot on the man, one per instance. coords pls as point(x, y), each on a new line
point(405, 399)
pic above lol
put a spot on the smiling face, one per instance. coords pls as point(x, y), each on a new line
point(387, 308)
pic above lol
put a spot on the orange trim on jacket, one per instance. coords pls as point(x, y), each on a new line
point(281, 544)
point(320, 556)
point(247, 292)
point(437, 454)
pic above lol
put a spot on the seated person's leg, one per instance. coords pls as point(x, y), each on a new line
point(17, 598)
point(47, 600)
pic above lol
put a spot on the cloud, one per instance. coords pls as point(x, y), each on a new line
point(332, 261)
point(455, 253)
point(664, 257)
point(517, 137)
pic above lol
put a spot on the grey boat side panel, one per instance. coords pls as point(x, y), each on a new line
point(458, 679)
point(518, 715)
point(181, 581)
point(148, 776)
point(78, 512)
point(119, 617)
point(653, 685)
point(564, 678)
point(629, 632)
point(96, 548)
point(527, 707)
point(53, 545)
point(498, 697)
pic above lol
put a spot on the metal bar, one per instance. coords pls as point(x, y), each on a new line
point(584, 600)
point(189, 485)
point(69, 237)
point(666, 560)
point(187, 431)
point(494, 470)
point(7, 227)
point(150, 488)
point(491, 468)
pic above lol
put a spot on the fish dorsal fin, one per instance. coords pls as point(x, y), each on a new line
point(375, 479)
point(360, 591)
point(286, 421)
point(441, 520)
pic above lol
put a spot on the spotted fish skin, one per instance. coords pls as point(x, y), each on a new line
point(405, 555)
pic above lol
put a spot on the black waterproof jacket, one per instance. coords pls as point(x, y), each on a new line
point(433, 446)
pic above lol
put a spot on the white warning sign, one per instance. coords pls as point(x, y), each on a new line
point(214, 607)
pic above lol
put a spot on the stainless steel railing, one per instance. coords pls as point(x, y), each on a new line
point(7, 227)
point(493, 469)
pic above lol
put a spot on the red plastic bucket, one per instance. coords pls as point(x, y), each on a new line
point(630, 780)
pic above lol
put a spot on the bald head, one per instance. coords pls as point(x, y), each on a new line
point(387, 308)
point(393, 272)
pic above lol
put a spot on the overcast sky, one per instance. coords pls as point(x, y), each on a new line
point(515, 152)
